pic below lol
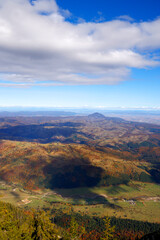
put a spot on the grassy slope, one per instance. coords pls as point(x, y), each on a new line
point(33, 164)
point(23, 164)
point(102, 201)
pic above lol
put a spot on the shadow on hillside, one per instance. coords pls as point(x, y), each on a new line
point(39, 133)
point(155, 174)
point(72, 171)
point(116, 189)
point(81, 196)
point(73, 178)
point(15, 194)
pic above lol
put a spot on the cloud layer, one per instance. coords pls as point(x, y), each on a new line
point(39, 47)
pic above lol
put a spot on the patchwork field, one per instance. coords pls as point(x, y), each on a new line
point(136, 201)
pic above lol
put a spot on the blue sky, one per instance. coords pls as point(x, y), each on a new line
point(139, 10)
point(80, 53)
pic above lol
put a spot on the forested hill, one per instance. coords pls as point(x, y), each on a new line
point(17, 224)
point(112, 149)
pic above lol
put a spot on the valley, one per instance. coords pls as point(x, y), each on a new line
point(86, 166)
point(123, 201)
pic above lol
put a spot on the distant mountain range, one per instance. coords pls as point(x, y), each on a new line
point(78, 151)
point(35, 113)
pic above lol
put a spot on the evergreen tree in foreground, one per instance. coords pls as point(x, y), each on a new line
point(108, 233)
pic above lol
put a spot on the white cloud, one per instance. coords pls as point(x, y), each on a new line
point(125, 17)
point(39, 47)
point(45, 6)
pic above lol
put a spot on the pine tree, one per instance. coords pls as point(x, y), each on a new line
point(75, 231)
point(44, 229)
point(108, 233)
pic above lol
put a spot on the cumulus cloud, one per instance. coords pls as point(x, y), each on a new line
point(45, 6)
point(38, 46)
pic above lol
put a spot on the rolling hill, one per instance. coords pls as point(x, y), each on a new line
point(78, 151)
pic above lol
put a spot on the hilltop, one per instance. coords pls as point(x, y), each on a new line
point(94, 130)
point(98, 165)
point(96, 115)
point(84, 150)
point(57, 165)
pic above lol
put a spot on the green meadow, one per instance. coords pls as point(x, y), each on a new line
point(137, 201)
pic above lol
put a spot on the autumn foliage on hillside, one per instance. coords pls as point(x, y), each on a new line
point(35, 165)
point(79, 151)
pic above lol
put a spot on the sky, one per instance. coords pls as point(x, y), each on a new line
point(65, 53)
